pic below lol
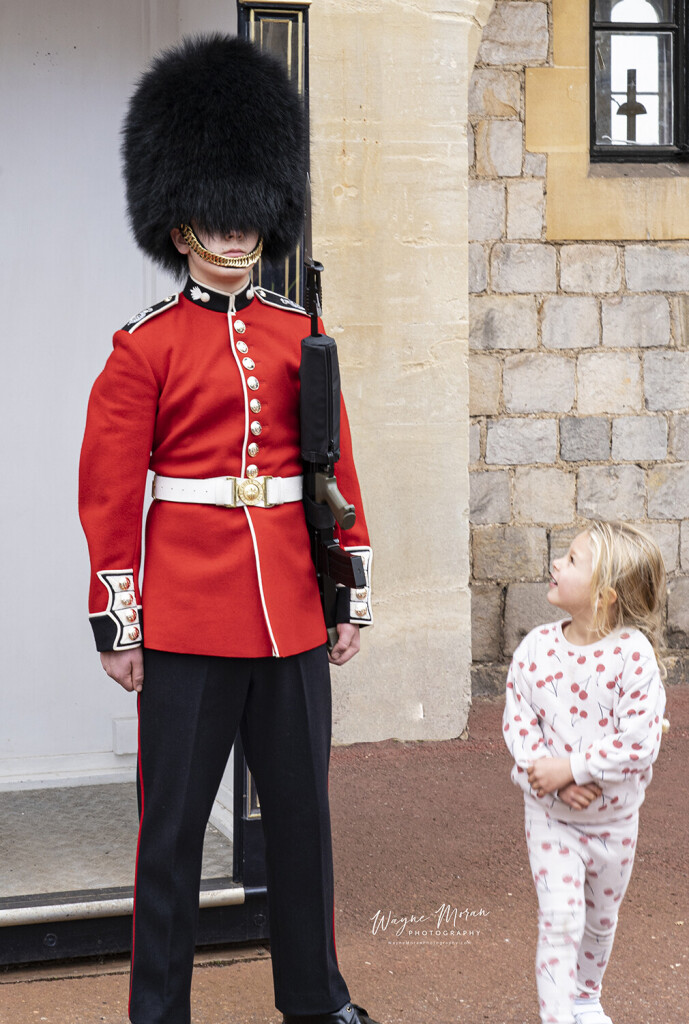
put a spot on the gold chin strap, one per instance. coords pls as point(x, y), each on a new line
point(213, 257)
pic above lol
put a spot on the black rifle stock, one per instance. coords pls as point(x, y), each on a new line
point(319, 375)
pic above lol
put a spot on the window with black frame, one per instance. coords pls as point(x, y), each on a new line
point(282, 28)
point(639, 80)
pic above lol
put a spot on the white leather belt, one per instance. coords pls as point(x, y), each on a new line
point(230, 491)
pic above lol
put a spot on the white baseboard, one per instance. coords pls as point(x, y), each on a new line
point(88, 769)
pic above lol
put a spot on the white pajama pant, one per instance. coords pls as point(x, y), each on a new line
point(581, 873)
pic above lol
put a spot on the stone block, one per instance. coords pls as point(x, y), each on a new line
point(495, 93)
point(570, 321)
point(679, 437)
point(498, 322)
point(525, 209)
point(639, 439)
point(667, 537)
point(590, 268)
point(657, 268)
point(679, 307)
point(523, 267)
point(639, 321)
point(471, 146)
point(678, 612)
point(584, 439)
point(509, 552)
point(609, 382)
point(499, 148)
point(516, 33)
point(535, 165)
point(478, 268)
point(488, 680)
point(684, 545)
point(538, 383)
point(666, 380)
point(486, 211)
point(489, 497)
point(484, 385)
point(486, 622)
point(611, 492)
point(474, 443)
point(513, 442)
point(544, 495)
point(668, 491)
point(526, 606)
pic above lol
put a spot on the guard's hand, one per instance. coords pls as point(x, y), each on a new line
point(125, 667)
point(347, 645)
point(549, 773)
point(579, 797)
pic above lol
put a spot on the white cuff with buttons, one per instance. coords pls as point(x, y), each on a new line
point(360, 608)
point(122, 607)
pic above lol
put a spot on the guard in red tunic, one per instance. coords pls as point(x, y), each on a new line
point(227, 632)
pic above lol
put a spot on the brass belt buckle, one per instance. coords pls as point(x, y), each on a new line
point(253, 491)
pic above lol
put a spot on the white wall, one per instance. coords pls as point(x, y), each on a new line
point(71, 276)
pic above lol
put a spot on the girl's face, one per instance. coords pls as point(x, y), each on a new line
point(570, 580)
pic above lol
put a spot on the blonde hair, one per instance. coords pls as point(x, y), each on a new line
point(627, 561)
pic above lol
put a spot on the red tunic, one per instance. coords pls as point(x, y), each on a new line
point(175, 396)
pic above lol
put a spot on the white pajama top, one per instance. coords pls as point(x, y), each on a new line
point(601, 705)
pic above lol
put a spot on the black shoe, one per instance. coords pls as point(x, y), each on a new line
point(347, 1014)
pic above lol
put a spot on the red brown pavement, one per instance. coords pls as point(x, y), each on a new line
point(419, 827)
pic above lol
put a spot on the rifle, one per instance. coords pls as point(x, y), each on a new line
point(324, 505)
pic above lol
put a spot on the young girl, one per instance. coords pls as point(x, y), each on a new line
point(583, 721)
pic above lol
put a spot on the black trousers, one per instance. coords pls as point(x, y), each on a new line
point(189, 711)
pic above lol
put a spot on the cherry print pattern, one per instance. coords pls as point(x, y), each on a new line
point(595, 709)
point(603, 709)
point(579, 898)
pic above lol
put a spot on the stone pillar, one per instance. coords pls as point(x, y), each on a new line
point(389, 85)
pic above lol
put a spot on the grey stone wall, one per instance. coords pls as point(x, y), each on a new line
point(579, 372)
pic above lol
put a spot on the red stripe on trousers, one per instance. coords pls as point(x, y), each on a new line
point(138, 843)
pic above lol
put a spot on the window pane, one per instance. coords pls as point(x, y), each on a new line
point(276, 37)
point(634, 10)
point(634, 89)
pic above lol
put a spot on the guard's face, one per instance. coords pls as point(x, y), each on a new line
point(233, 243)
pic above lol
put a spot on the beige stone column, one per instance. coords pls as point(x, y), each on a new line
point(389, 83)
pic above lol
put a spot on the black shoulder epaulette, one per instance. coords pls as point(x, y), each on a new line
point(149, 312)
point(279, 301)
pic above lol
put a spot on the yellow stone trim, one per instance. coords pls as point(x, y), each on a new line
point(571, 33)
point(557, 110)
point(635, 204)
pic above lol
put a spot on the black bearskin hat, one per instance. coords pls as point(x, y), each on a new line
point(215, 134)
